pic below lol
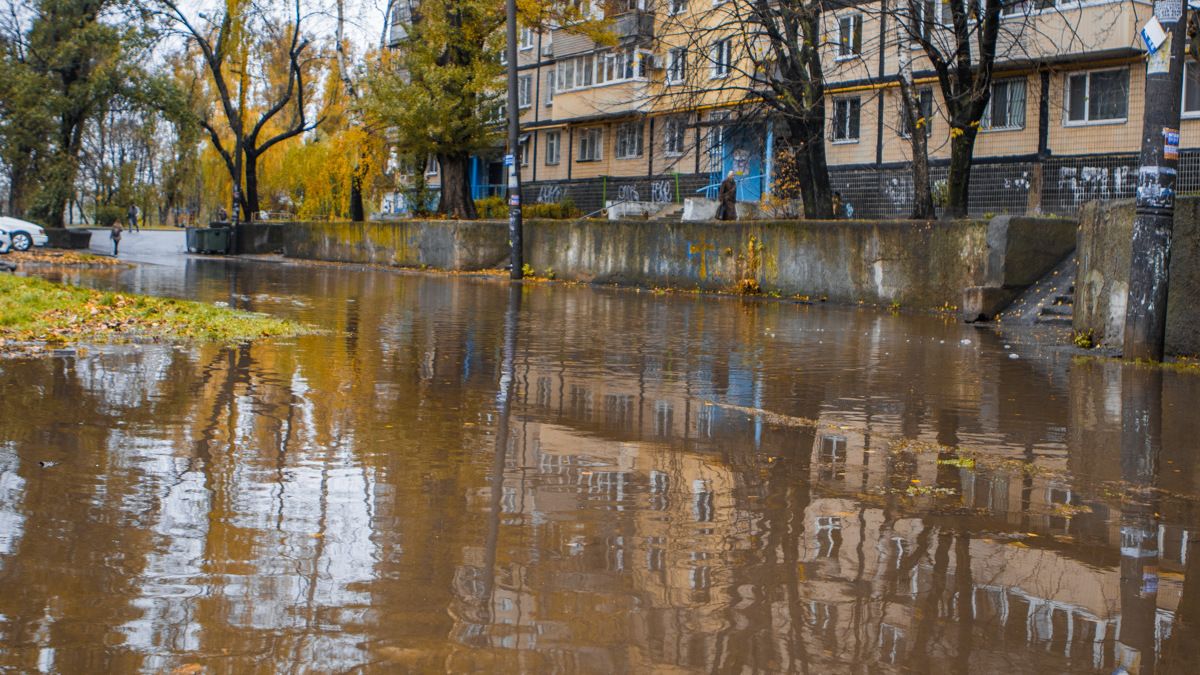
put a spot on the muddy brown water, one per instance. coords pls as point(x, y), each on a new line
point(463, 475)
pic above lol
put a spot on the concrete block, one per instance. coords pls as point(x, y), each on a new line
point(983, 303)
point(699, 209)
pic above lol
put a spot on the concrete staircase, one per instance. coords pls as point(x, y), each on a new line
point(672, 212)
point(1049, 302)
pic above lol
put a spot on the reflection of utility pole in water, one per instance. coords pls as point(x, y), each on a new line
point(504, 396)
point(1141, 443)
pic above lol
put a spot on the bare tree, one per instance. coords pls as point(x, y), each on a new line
point(917, 127)
point(224, 45)
point(762, 61)
point(962, 53)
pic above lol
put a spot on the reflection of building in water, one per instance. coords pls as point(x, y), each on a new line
point(639, 554)
point(1017, 592)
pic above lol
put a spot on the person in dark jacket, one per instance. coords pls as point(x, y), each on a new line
point(727, 199)
point(114, 233)
point(133, 218)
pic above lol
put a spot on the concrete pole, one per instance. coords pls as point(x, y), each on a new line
point(513, 160)
point(1146, 305)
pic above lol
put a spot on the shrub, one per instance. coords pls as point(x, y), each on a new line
point(491, 208)
point(495, 208)
point(555, 210)
point(105, 214)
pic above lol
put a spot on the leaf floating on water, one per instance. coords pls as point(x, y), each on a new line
point(188, 669)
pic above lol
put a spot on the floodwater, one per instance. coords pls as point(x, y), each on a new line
point(467, 475)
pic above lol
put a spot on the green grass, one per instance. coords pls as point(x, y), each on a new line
point(39, 311)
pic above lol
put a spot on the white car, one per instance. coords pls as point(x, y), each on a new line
point(24, 234)
point(5, 242)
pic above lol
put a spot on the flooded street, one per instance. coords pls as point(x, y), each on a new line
point(466, 475)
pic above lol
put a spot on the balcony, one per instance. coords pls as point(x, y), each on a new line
point(631, 29)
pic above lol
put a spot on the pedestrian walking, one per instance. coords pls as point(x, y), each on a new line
point(222, 215)
point(837, 205)
point(114, 233)
point(133, 218)
point(727, 198)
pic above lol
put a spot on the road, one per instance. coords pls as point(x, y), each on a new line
point(158, 247)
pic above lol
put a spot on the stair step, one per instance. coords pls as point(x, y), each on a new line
point(1064, 299)
point(1055, 320)
point(1057, 310)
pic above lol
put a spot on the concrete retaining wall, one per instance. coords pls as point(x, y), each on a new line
point(1105, 233)
point(917, 264)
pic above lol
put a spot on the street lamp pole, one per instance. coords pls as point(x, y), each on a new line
point(1146, 303)
point(513, 159)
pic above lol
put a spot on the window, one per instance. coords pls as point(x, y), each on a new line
point(928, 15)
point(551, 79)
point(525, 91)
point(629, 140)
point(431, 165)
point(850, 36)
point(1006, 108)
point(677, 65)
point(600, 68)
point(924, 114)
point(720, 53)
point(526, 39)
point(590, 141)
point(523, 151)
point(845, 119)
point(1098, 96)
point(674, 130)
point(1023, 7)
point(553, 147)
point(1191, 89)
point(678, 6)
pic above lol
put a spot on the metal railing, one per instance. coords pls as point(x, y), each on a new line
point(710, 191)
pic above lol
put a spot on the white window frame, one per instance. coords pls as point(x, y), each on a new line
point(551, 84)
point(630, 140)
point(849, 46)
point(850, 103)
point(676, 7)
point(721, 58)
point(985, 121)
point(601, 68)
point(593, 139)
point(525, 39)
point(524, 92)
point(674, 136)
point(677, 65)
point(524, 151)
point(1068, 122)
point(1193, 66)
point(553, 153)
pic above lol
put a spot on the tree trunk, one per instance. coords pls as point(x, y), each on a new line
point(922, 208)
point(250, 193)
point(456, 199)
point(962, 149)
point(812, 172)
point(357, 212)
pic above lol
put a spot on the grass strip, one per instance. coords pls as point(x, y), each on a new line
point(33, 310)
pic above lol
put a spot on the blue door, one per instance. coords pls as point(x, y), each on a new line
point(744, 150)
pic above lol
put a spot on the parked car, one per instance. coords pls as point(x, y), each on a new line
point(5, 242)
point(24, 234)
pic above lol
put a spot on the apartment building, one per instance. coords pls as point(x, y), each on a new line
point(664, 112)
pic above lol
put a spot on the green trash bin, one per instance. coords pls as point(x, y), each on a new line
point(208, 239)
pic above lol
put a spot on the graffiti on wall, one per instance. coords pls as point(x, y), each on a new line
point(1095, 182)
point(550, 194)
point(628, 193)
point(660, 191)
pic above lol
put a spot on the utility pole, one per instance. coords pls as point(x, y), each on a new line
point(1146, 304)
point(513, 158)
